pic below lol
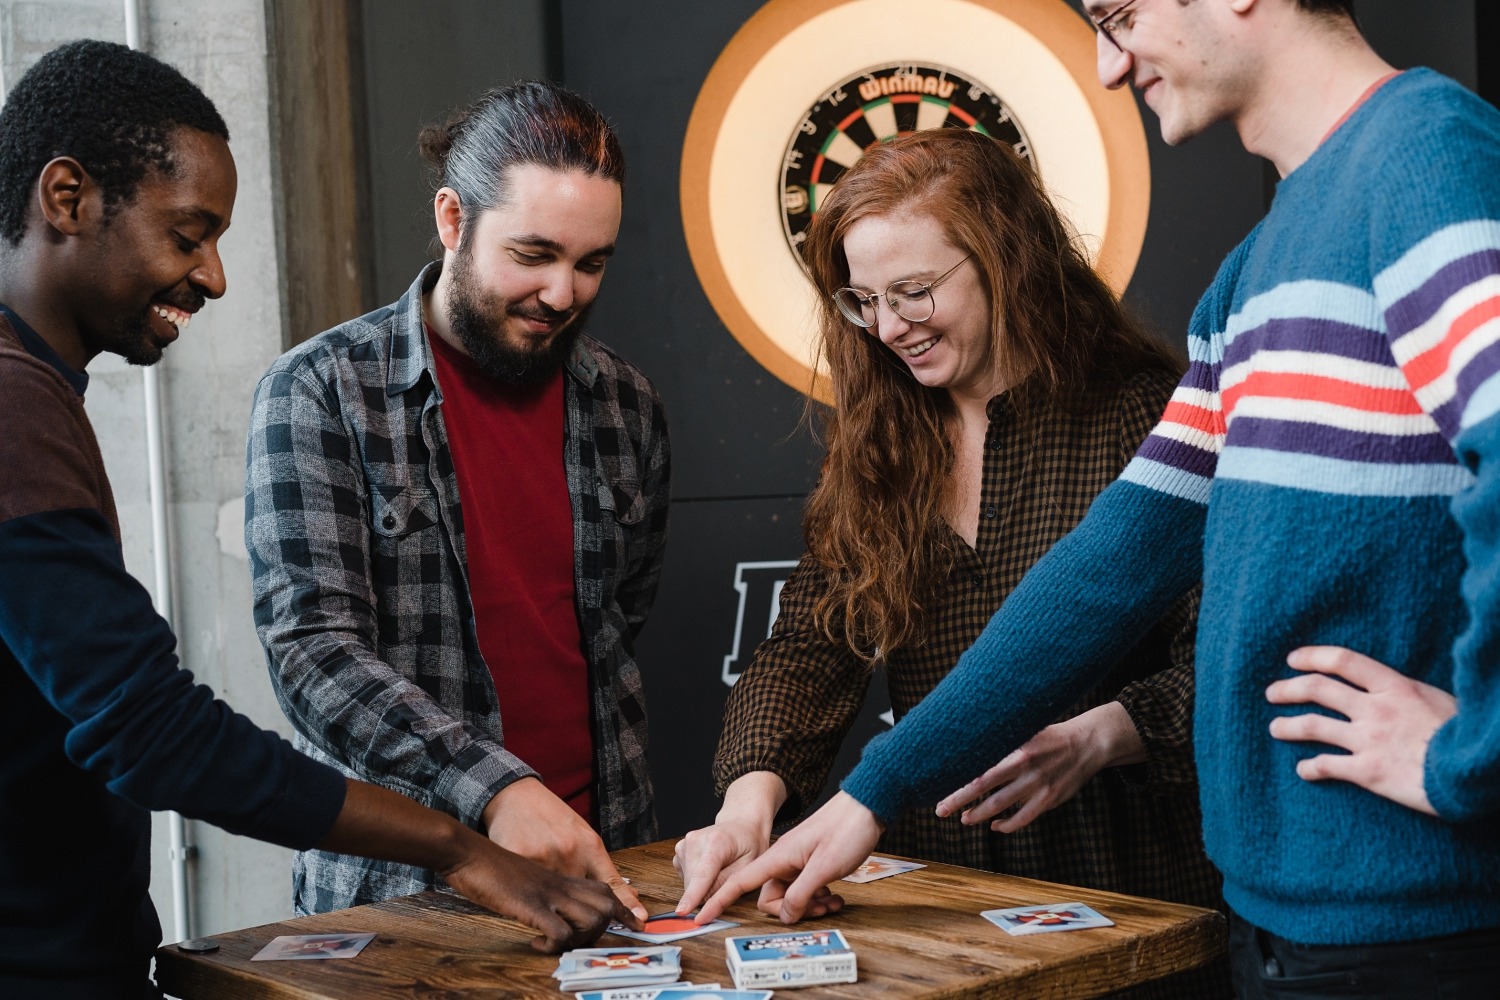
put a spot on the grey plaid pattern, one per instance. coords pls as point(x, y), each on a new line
point(1135, 830)
point(361, 595)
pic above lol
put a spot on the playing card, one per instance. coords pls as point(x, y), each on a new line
point(308, 946)
point(1047, 918)
point(628, 992)
point(878, 868)
point(670, 926)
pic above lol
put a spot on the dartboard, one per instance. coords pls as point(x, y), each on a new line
point(806, 86)
point(875, 105)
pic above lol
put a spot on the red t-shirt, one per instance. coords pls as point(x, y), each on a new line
point(507, 445)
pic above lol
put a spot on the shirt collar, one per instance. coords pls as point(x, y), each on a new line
point(42, 351)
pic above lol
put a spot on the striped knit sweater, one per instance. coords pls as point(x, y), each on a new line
point(1330, 464)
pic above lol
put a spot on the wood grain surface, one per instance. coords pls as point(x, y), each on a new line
point(915, 935)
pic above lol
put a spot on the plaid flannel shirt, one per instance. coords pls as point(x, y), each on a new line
point(356, 543)
point(1129, 829)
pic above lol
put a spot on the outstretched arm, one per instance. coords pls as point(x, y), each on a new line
point(1052, 639)
point(568, 912)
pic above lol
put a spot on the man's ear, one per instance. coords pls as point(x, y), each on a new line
point(449, 214)
point(64, 191)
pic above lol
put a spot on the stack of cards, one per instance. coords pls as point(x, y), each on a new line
point(1047, 918)
point(789, 960)
point(677, 991)
point(609, 968)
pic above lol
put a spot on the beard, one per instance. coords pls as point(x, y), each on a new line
point(478, 318)
point(131, 338)
point(134, 341)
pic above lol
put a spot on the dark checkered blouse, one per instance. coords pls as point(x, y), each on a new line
point(1133, 829)
point(356, 543)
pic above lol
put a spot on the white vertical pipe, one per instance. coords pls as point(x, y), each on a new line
point(156, 477)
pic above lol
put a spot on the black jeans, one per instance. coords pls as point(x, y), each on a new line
point(1267, 967)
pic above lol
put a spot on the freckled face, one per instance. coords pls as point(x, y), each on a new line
point(953, 349)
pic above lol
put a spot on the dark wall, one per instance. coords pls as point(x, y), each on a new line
point(742, 460)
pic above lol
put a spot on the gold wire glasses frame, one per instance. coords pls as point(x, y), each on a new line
point(909, 299)
point(1107, 25)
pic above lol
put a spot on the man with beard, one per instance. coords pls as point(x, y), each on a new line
point(456, 508)
point(116, 184)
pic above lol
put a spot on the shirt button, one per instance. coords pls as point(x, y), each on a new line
point(989, 512)
point(389, 521)
point(1273, 969)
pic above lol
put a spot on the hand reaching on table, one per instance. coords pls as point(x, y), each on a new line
point(706, 858)
point(525, 817)
point(569, 912)
point(797, 869)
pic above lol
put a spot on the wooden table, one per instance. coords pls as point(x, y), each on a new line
point(915, 935)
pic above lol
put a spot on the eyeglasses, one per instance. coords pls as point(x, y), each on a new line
point(1110, 23)
point(911, 300)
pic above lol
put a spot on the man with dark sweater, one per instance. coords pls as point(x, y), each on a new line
point(116, 184)
point(1330, 465)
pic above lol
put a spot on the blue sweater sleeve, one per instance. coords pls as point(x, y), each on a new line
point(86, 634)
point(1435, 246)
point(1091, 598)
point(1462, 776)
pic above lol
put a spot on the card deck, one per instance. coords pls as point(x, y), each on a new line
point(1047, 918)
point(790, 959)
point(605, 968)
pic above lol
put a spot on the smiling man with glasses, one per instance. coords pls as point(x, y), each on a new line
point(1330, 467)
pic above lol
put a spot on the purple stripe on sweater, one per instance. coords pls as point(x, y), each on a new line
point(1319, 336)
point(1418, 306)
point(1179, 456)
point(1201, 375)
point(1481, 367)
point(1336, 442)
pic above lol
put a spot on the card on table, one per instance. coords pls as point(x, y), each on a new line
point(631, 992)
point(877, 867)
point(1047, 918)
point(670, 926)
point(306, 946)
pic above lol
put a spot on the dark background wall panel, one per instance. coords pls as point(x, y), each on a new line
point(734, 425)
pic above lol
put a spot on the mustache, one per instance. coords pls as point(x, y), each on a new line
point(541, 313)
point(189, 301)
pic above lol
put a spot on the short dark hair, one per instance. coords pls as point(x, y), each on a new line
point(1345, 7)
point(111, 108)
point(530, 121)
